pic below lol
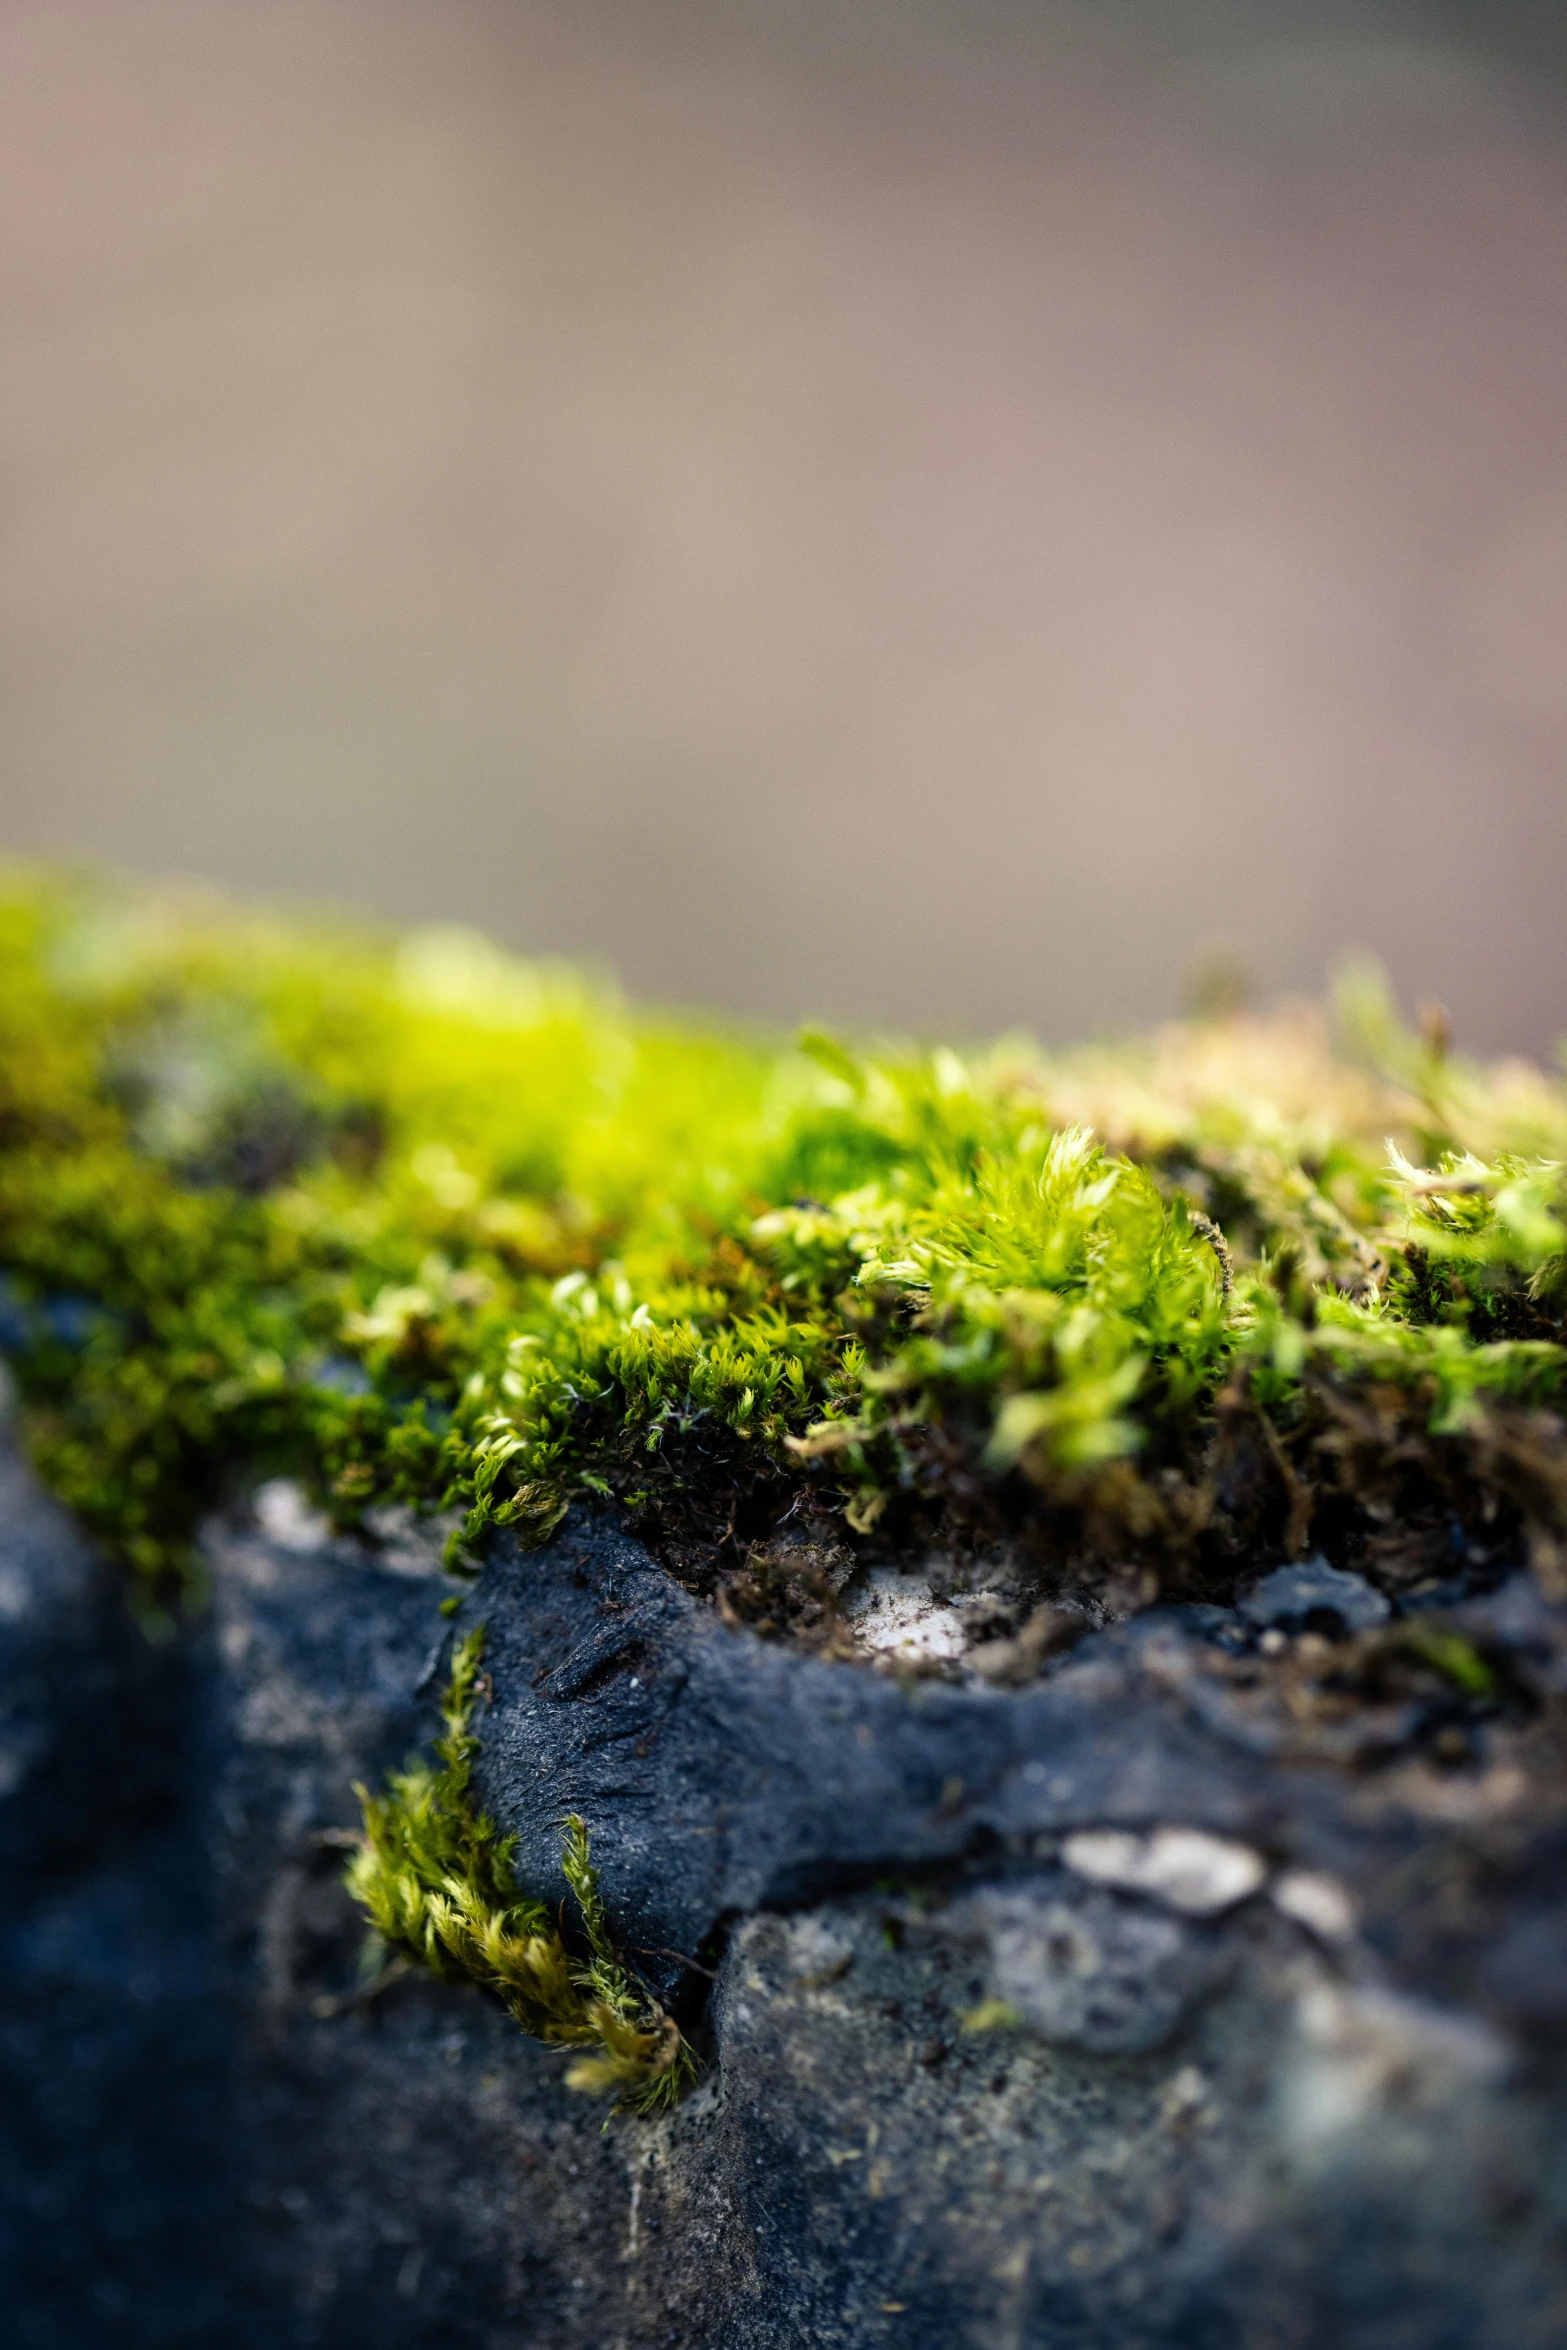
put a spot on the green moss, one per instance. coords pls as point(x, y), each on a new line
point(420, 1223)
point(1456, 1658)
point(436, 1882)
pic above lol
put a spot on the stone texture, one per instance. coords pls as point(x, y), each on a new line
point(1294, 1597)
point(720, 1773)
point(203, 2140)
point(1088, 1969)
point(955, 2090)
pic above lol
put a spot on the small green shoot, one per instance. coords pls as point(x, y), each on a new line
point(436, 1884)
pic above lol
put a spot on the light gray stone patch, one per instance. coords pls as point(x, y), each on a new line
point(1295, 1596)
point(1091, 1969)
point(1363, 2056)
point(1193, 1872)
point(1318, 1902)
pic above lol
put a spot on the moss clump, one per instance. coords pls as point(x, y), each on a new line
point(419, 1223)
point(435, 1881)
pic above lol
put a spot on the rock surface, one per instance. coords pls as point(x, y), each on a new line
point(203, 2139)
point(1119, 2009)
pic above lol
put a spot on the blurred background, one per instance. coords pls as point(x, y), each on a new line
point(929, 516)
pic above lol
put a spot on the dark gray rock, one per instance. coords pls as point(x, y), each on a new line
point(1311, 2163)
point(204, 2139)
point(412, 2168)
point(721, 1774)
point(1088, 1968)
point(1071, 2015)
point(1259, 2085)
point(113, 2163)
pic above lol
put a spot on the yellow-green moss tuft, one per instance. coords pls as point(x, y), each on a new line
point(436, 1884)
point(420, 1223)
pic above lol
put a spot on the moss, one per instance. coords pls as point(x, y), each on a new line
point(424, 1224)
point(436, 1882)
point(1456, 1658)
point(419, 1223)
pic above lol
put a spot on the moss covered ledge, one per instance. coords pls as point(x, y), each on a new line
point(423, 1226)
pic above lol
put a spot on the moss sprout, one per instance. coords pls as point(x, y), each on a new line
point(436, 1882)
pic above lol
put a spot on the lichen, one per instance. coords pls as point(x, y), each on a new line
point(421, 1223)
point(435, 1880)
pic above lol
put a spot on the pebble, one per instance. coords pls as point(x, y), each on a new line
point(1192, 1871)
point(1293, 1595)
point(1319, 1903)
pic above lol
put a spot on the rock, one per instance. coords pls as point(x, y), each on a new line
point(1089, 1969)
point(1317, 1902)
point(863, 2168)
point(1061, 2078)
point(722, 1774)
point(1195, 1873)
point(204, 2138)
point(412, 2167)
point(113, 2169)
point(1527, 1970)
point(1305, 1597)
point(957, 2090)
point(1365, 2063)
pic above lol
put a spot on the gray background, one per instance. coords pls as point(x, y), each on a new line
point(906, 514)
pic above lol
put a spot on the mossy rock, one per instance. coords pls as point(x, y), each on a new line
point(1022, 1591)
point(1234, 2046)
point(424, 1226)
